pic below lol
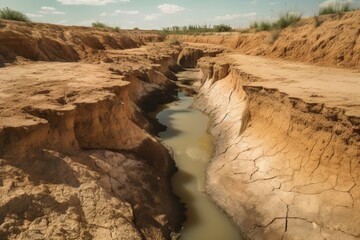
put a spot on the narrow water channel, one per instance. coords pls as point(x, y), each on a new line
point(187, 135)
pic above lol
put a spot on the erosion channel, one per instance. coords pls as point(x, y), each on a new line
point(187, 135)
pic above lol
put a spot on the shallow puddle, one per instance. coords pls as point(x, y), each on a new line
point(187, 135)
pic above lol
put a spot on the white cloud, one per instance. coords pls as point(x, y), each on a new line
point(90, 2)
point(152, 16)
point(50, 10)
point(274, 3)
point(128, 12)
point(235, 16)
point(119, 12)
point(34, 15)
point(334, 2)
point(170, 8)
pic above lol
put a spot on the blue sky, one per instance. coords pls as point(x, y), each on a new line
point(155, 14)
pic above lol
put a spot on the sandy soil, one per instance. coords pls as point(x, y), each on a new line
point(333, 87)
point(332, 42)
point(287, 146)
point(59, 122)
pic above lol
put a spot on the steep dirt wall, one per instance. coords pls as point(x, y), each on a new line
point(47, 42)
point(283, 168)
point(77, 153)
point(333, 41)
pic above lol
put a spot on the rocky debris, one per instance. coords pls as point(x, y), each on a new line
point(283, 168)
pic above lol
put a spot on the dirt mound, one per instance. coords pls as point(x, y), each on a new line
point(46, 42)
point(332, 40)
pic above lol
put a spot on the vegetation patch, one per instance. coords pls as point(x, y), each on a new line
point(104, 26)
point(222, 28)
point(9, 14)
point(196, 29)
point(336, 7)
point(285, 20)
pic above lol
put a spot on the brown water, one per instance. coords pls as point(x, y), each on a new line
point(187, 135)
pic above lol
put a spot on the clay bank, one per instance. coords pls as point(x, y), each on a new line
point(80, 157)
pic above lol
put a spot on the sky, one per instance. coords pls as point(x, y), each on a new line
point(156, 14)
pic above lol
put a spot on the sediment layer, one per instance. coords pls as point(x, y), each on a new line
point(78, 155)
point(48, 42)
point(331, 40)
point(283, 168)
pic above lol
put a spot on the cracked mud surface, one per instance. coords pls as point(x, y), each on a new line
point(284, 168)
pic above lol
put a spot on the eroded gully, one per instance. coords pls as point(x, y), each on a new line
point(187, 136)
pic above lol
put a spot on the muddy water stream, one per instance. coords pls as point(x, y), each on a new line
point(187, 135)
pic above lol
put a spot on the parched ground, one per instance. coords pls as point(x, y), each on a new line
point(76, 150)
point(287, 137)
point(78, 159)
point(333, 87)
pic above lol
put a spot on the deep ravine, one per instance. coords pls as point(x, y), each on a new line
point(192, 146)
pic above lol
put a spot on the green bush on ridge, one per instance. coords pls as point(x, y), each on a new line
point(9, 14)
point(285, 20)
point(104, 26)
point(337, 7)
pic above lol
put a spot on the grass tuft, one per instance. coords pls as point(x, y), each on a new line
point(104, 26)
point(99, 25)
point(285, 20)
point(336, 7)
point(9, 14)
point(196, 29)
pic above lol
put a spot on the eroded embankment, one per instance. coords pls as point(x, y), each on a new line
point(283, 168)
point(48, 42)
point(77, 154)
point(332, 40)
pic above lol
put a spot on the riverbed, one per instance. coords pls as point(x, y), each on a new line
point(187, 135)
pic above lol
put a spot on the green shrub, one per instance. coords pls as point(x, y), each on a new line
point(265, 26)
point(99, 25)
point(9, 14)
point(337, 7)
point(287, 19)
point(222, 28)
point(104, 26)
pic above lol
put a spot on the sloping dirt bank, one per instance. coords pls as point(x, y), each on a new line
point(78, 159)
point(332, 40)
point(48, 42)
point(284, 168)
